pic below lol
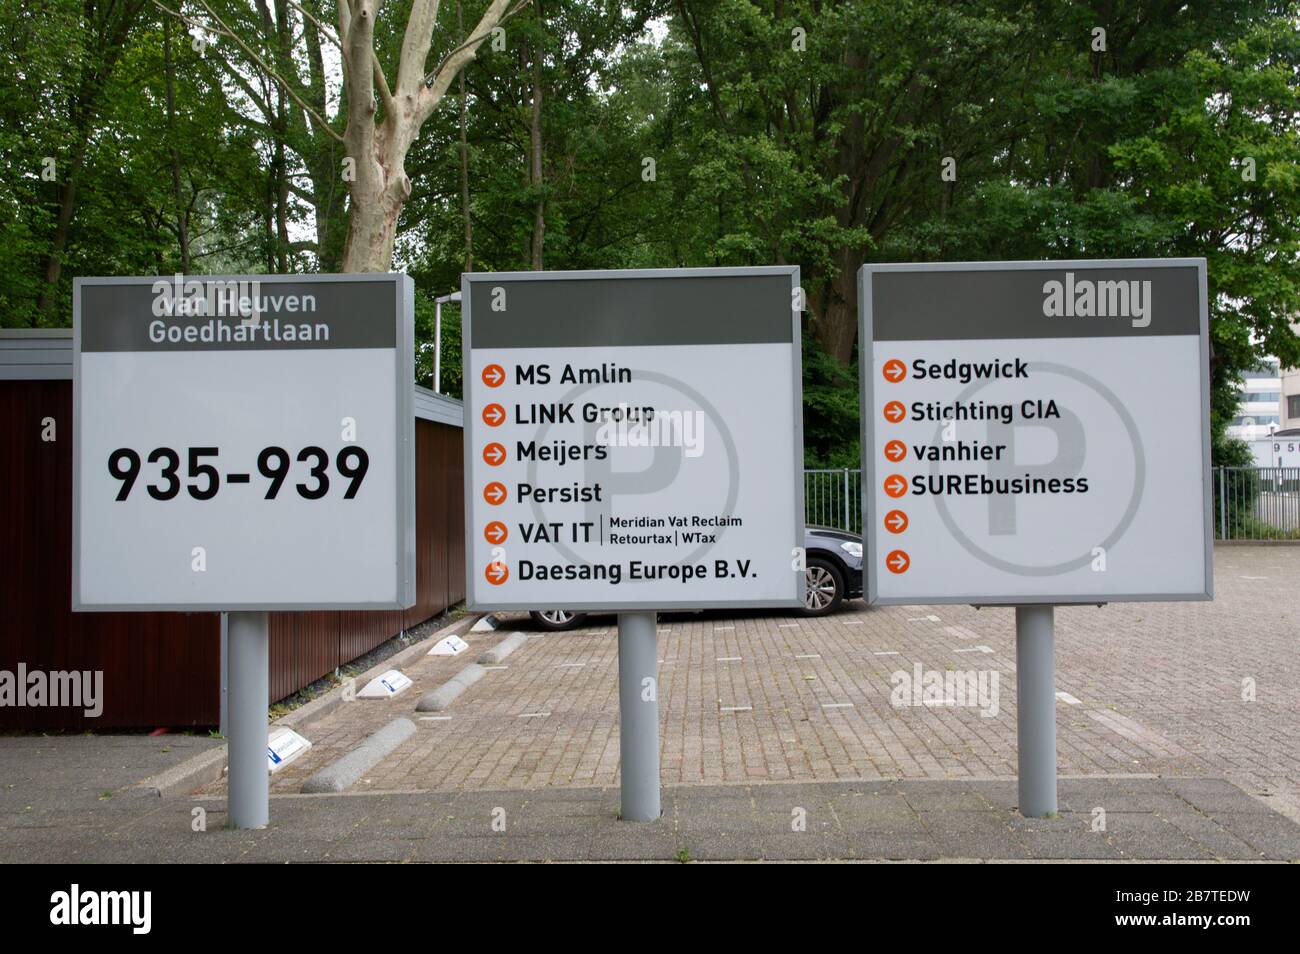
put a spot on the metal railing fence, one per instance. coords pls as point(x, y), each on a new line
point(1249, 503)
point(1256, 503)
point(833, 498)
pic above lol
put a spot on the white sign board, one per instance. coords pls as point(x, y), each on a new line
point(1036, 432)
point(633, 440)
point(451, 645)
point(283, 745)
point(243, 443)
point(1276, 452)
point(386, 685)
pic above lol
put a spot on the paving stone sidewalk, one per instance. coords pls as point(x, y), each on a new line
point(1177, 721)
point(1174, 689)
point(1179, 819)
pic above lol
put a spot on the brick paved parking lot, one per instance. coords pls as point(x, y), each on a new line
point(1177, 689)
point(1166, 819)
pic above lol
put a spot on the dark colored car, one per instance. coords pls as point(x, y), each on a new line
point(834, 574)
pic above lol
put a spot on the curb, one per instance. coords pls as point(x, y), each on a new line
point(183, 778)
point(435, 700)
point(343, 773)
point(502, 649)
point(302, 717)
point(211, 765)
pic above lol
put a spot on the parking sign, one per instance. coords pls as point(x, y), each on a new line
point(633, 439)
point(1036, 432)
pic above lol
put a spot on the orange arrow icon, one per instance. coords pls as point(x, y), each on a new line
point(894, 411)
point(494, 454)
point(493, 415)
point(895, 485)
point(895, 521)
point(497, 573)
point(496, 532)
point(494, 375)
point(894, 370)
point(898, 561)
point(494, 493)
point(895, 451)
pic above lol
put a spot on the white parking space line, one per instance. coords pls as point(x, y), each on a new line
point(435, 718)
point(728, 659)
point(495, 667)
point(852, 622)
point(533, 715)
point(837, 705)
point(720, 629)
point(569, 665)
point(736, 709)
point(787, 625)
point(808, 656)
point(923, 619)
point(1068, 699)
point(888, 653)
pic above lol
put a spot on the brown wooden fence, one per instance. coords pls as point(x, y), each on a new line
point(164, 669)
point(305, 646)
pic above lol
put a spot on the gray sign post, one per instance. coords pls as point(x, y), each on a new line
point(243, 444)
point(1036, 709)
point(248, 801)
point(638, 715)
point(1036, 434)
point(633, 443)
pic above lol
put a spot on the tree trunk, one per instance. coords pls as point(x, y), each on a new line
point(464, 156)
point(268, 219)
point(281, 183)
point(108, 28)
point(837, 326)
point(535, 144)
point(372, 229)
point(182, 212)
point(329, 209)
point(59, 242)
point(328, 193)
point(283, 38)
point(380, 186)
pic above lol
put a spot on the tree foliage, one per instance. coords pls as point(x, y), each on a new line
point(659, 133)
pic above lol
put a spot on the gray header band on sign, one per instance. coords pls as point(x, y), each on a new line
point(941, 305)
point(305, 313)
point(619, 312)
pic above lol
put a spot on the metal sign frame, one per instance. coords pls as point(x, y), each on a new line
point(471, 280)
point(404, 492)
point(867, 347)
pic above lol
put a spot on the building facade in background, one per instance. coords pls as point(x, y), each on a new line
point(1259, 412)
point(1290, 396)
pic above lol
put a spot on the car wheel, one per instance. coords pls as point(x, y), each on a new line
point(824, 590)
point(557, 620)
